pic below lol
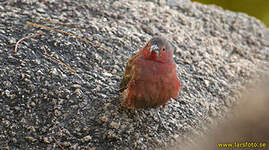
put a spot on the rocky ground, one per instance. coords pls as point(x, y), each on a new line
point(44, 105)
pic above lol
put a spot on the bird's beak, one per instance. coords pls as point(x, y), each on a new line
point(154, 48)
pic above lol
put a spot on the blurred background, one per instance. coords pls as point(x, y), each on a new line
point(256, 8)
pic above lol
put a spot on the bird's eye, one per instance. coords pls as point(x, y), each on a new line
point(164, 49)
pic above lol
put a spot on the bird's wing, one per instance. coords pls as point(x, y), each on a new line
point(129, 72)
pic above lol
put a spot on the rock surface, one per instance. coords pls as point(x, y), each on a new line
point(43, 103)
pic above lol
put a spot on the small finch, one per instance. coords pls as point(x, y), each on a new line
point(150, 78)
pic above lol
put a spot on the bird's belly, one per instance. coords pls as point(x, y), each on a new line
point(151, 92)
point(153, 84)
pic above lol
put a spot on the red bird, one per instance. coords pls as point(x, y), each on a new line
point(150, 78)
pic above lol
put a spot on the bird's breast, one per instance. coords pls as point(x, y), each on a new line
point(151, 69)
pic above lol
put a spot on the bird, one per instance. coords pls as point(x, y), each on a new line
point(150, 79)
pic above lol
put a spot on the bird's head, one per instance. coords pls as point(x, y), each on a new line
point(157, 49)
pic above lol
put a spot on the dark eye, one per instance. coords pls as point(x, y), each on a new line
point(164, 49)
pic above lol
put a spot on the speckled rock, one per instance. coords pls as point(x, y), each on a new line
point(217, 53)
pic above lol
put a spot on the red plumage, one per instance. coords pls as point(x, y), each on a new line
point(150, 78)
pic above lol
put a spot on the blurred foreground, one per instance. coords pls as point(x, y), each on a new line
point(248, 128)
